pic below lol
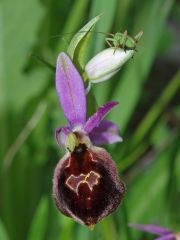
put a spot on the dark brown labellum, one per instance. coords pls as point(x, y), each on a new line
point(86, 185)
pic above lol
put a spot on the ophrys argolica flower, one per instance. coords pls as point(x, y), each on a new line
point(86, 185)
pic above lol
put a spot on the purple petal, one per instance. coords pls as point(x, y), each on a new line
point(96, 118)
point(64, 131)
point(71, 92)
point(106, 133)
point(151, 228)
point(167, 237)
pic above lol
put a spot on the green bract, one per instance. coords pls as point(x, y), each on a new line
point(78, 44)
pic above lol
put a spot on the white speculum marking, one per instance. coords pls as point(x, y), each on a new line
point(91, 179)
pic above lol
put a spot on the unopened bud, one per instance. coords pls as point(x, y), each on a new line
point(106, 64)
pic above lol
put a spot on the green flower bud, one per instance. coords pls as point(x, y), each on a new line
point(106, 64)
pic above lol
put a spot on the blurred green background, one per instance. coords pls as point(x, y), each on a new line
point(148, 115)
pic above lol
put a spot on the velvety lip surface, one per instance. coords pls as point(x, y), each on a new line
point(87, 185)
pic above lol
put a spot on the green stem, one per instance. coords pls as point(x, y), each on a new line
point(172, 189)
point(126, 221)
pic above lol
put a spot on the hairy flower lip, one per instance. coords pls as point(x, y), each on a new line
point(106, 64)
point(105, 195)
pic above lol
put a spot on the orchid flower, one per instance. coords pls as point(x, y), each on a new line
point(86, 185)
point(164, 233)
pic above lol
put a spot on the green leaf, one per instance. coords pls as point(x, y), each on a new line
point(3, 233)
point(108, 10)
point(67, 228)
point(76, 49)
point(73, 21)
point(166, 96)
point(135, 147)
point(24, 134)
point(105, 225)
point(145, 196)
point(40, 220)
point(16, 42)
